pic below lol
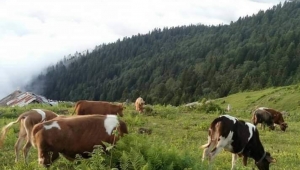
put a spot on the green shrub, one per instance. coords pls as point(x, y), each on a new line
point(208, 108)
point(139, 152)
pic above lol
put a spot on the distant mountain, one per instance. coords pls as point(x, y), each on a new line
point(183, 64)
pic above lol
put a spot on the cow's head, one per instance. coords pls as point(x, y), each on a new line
point(120, 109)
point(264, 162)
point(283, 126)
point(47, 158)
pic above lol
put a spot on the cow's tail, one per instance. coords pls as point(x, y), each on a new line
point(205, 146)
point(211, 143)
point(35, 129)
point(254, 118)
point(76, 105)
point(5, 130)
point(209, 140)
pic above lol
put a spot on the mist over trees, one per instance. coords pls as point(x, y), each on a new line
point(186, 63)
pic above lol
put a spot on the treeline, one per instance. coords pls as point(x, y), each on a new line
point(186, 63)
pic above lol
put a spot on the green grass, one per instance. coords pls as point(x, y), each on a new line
point(280, 98)
point(177, 134)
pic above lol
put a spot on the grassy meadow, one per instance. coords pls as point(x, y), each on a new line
point(177, 134)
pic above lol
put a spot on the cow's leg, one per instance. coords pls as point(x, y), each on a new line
point(208, 147)
point(233, 161)
point(26, 148)
point(40, 156)
point(205, 154)
point(216, 151)
point(20, 140)
point(18, 147)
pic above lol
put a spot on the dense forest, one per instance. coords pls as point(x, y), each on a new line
point(182, 64)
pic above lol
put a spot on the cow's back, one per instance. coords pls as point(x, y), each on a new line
point(277, 116)
point(49, 114)
point(98, 108)
point(70, 135)
point(92, 107)
point(35, 116)
point(262, 116)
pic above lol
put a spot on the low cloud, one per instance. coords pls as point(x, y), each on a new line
point(37, 33)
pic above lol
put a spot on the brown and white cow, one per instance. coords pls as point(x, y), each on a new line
point(264, 118)
point(238, 137)
point(86, 107)
point(27, 121)
point(277, 117)
point(139, 105)
point(75, 135)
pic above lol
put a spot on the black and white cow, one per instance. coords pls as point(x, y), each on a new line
point(238, 137)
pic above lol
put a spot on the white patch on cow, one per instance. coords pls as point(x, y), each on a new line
point(230, 117)
point(112, 116)
point(226, 141)
point(251, 129)
point(41, 112)
point(262, 108)
point(110, 123)
point(54, 124)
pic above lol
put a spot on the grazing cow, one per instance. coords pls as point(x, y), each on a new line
point(27, 121)
point(238, 137)
point(263, 117)
point(85, 107)
point(277, 117)
point(75, 135)
point(139, 105)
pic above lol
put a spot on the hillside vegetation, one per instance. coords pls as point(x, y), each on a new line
point(177, 134)
point(182, 64)
point(284, 98)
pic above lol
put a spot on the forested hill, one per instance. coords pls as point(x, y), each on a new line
point(185, 63)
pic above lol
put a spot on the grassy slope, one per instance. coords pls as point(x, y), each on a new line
point(280, 98)
point(186, 129)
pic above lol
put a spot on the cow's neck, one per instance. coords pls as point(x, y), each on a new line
point(257, 153)
point(254, 150)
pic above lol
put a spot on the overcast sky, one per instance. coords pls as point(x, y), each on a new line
point(37, 33)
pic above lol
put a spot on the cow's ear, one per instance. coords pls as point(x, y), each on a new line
point(270, 159)
point(245, 158)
